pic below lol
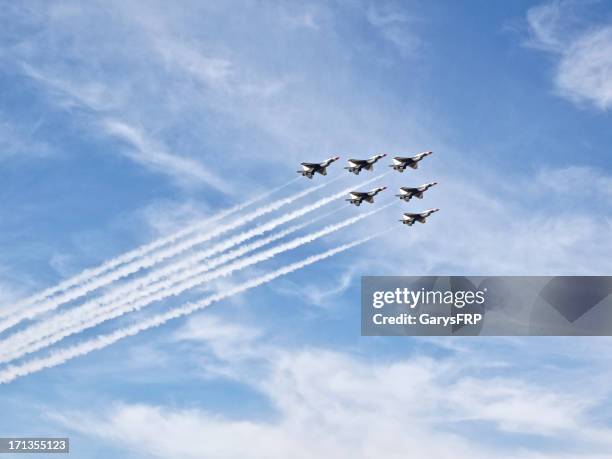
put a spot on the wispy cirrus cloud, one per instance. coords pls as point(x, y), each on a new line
point(18, 142)
point(585, 71)
point(74, 92)
point(579, 182)
point(165, 82)
point(396, 26)
point(582, 50)
point(321, 293)
point(143, 149)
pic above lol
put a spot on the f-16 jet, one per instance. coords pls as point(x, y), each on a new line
point(407, 193)
point(409, 219)
point(400, 163)
point(309, 169)
point(357, 197)
point(356, 165)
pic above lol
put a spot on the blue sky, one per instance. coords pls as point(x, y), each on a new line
point(122, 122)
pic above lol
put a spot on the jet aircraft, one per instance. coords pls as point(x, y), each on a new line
point(409, 218)
point(356, 165)
point(357, 197)
point(400, 163)
point(407, 193)
point(309, 169)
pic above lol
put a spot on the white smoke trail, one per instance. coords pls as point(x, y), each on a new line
point(32, 338)
point(136, 253)
point(148, 261)
point(41, 337)
point(21, 340)
point(63, 355)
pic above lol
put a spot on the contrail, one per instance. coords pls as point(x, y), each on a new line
point(146, 262)
point(156, 292)
point(32, 338)
point(88, 286)
point(20, 343)
point(138, 252)
point(63, 355)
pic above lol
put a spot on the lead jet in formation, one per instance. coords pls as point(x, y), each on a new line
point(409, 218)
point(356, 165)
point(407, 193)
point(357, 197)
point(400, 163)
point(309, 169)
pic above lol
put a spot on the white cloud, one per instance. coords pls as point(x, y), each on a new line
point(580, 182)
point(545, 26)
point(470, 403)
point(63, 263)
point(331, 404)
point(322, 292)
point(395, 26)
point(229, 341)
point(585, 70)
point(17, 142)
point(154, 155)
point(168, 216)
point(72, 92)
point(517, 407)
point(214, 72)
point(584, 53)
point(135, 77)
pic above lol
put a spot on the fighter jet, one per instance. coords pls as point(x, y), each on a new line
point(407, 193)
point(409, 219)
point(356, 165)
point(309, 169)
point(357, 197)
point(400, 163)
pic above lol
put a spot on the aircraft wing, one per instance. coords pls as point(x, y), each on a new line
point(309, 166)
point(398, 161)
point(357, 162)
point(357, 194)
